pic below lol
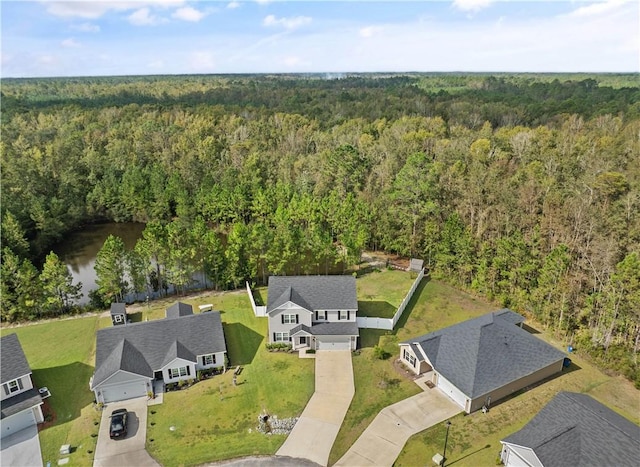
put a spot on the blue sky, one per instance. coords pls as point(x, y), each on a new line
point(137, 37)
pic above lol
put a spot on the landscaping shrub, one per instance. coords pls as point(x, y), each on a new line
point(380, 353)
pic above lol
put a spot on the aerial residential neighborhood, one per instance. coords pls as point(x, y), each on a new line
point(269, 233)
point(469, 367)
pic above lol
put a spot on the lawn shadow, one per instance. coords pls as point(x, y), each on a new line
point(371, 337)
point(135, 317)
point(469, 455)
point(412, 303)
point(376, 309)
point(242, 343)
point(259, 296)
point(69, 388)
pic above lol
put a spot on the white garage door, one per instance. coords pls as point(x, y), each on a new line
point(17, 422)
point(452, 391)
point(124, 391)
point(333, 346)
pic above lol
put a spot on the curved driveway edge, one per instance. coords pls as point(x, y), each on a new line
point(381, 443)
point(315, 432)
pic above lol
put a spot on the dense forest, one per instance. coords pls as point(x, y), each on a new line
point(522, 188)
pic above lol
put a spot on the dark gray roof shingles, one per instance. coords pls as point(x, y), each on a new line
point(575, 429)
point(198, 334)
point(313, 292)
point(13, 362)
point(482, 354)
point(118, 309)
point(178, 309)
point(23, 401)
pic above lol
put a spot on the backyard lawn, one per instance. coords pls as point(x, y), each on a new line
point(60, 354)
point(381, 292)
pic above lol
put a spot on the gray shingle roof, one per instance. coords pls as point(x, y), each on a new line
point(18, 403)
point(142, 348)
point(313, 292)
point(482, 354)
point(13, 363)
point(576, 430)
point(118, 309)
point(345, 328)
point(179, 309)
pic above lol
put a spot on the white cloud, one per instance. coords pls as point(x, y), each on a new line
point(156, 64)
point(471, 5)
point(290, 23)
point(263, 2)
point(369, 31)
point(596, 9)
point(92, 9)
point(189, 14)
point(201, 62)
point(144, 17)
point(233, 5)
point(69, 43)
point(86, 27)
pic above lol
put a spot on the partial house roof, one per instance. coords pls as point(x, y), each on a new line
point(142, 348)
point(178, 309)
point(313, 292)
point(344, 328)
point(118, 309)
point(485, 353)
point(575, 429)
point(21, 401)
point(13, 362)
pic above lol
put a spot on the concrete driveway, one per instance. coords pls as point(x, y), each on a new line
point(21, 449)
point(381, 443)
point(129, 451)
point(315, 432)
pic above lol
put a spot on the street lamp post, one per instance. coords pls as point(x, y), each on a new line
point(446, 438)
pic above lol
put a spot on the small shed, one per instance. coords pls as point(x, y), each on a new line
point(118, 314)
point(416, 265)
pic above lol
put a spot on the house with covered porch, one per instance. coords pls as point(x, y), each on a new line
point(315, 312)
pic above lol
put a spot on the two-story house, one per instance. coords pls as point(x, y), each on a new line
point(20, 402)
point(317, 312)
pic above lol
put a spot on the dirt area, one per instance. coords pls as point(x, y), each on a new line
point(381, 259)
point(402, 370)
point(50, 416)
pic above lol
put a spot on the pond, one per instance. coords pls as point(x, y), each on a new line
point(79, 249)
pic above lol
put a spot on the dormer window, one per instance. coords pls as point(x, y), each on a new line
point(12, 386)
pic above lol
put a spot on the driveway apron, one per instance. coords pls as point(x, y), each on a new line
point(129, 451)
point(315, 432)
point(381, 443)
point(21, 449)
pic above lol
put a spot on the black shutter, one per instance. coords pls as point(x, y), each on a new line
point(274, 337)
point(348, 315)
point(339, 317)
point(316, 315)
point(203, 362)
point(282, 318)
point(297, 319)
point(188, 370)
point(214, 358)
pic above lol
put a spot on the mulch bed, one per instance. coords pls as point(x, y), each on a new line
point(50, 416)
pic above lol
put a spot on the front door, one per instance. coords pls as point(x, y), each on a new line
point(303, 340)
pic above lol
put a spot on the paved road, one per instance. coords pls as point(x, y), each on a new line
point(21, 449)
point(317, 428)
point(381, 443)
point(129, 451)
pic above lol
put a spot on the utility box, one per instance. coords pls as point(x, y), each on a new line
point(438, 459)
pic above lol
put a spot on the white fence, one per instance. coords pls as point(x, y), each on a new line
point(390, 323)
point(260, 311)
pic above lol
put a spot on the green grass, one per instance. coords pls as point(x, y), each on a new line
point(61, 355)
point(433, 306)
point(215, 420)
point(381, 292)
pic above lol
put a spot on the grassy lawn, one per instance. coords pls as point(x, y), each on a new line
point(61, 355)
point(378, 384)
point(215, 420)
point(381, 292)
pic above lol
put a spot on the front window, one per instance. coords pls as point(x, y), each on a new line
point(343, 315)
point(177, 372)
point(288, 319)
point(281, 336)
point(410, 358)
point(209, 359)
point(13, 386)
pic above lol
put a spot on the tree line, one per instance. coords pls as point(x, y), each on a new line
point(521, 189)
